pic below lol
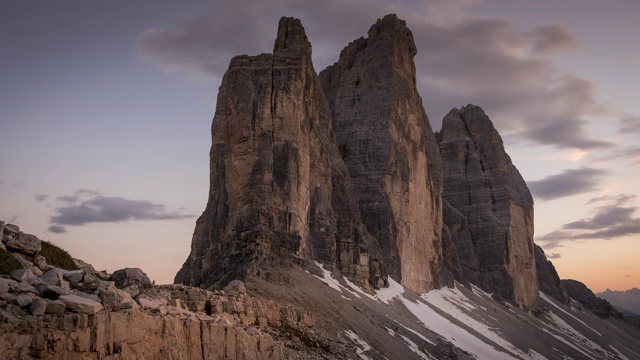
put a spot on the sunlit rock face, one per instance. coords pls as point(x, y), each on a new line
point(492, 217)
point(280, 192)
point(385, 138)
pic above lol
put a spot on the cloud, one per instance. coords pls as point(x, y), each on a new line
point(613, 199)
point(629, 125)
point(569, 182)
point(631, 153)
point(606, 222)
point(553, 256)
point(85, 206)
point(41, 197)
point(57, 229)
point(461, 59)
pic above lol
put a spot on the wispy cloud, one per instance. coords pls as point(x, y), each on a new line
point(41, 197)
point(607, 222)
point(87, 206)
point(569, 182)
point(553, 256)
point(492, 62)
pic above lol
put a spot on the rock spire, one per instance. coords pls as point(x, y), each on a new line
point(492, 217)
point(385, 138)
point(279, 191)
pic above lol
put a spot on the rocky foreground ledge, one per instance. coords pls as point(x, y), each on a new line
point(48, 312)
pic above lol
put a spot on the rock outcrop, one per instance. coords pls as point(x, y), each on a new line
point(385, 138)
point(491, 202)
point(280, 192)
point(585, 297)
point(548, 280)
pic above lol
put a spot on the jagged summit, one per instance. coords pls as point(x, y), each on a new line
point(291, 37)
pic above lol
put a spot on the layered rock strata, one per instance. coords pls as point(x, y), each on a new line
point(279, 191)
point(491, 214)
point(385, 138)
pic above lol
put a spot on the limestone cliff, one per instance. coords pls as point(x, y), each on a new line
point(491, 202)
point(385, 138)
point(279, 191)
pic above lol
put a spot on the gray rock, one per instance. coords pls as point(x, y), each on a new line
point(73, 277)
point(38, 306)
point(55, 307)
point(2, 247)
point(53, 277)
point(26, 288)
point(7, 297)
point(129, 277)
point(51, 291)
point(4, 285)
point(106, 286)
point(23, 275)
point(492, 225)
point(1, 230)
point(237, 286)
point(80, 304)
point(11, 229)
point(133, 290)
point(280, 191)
point(90, 281)
point(385, 138)
point(116, 299)
point(41, 263)
point(93, 297)
point(23, 300)
point(24, 243)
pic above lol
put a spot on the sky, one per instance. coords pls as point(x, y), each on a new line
point(106, 109)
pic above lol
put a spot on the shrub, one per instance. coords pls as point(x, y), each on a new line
point(8, 263)
point(57, 257)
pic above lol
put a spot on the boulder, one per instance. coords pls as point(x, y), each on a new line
point(11, 229)
point(55, 307)
point(5, 285)
point(73, 277)
point(24, 275)
point(80, 304)
point(129, 277)
point(54, 277)
point(23, 300)
point(23, 243)
point(236, 286)
point(51, 291)
point(38, 306)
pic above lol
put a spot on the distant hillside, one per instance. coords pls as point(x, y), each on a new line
point(628, 300)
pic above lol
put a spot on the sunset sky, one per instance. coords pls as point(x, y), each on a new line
point(106, 108)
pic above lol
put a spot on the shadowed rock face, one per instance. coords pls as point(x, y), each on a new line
point(548, 279)
point(279, 190)
point(385, 138)
point(491, 214)
point(582, 294)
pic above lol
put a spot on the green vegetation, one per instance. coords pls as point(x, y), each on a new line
point(57, 257)
point(8, 263)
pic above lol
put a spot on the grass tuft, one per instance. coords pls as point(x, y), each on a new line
point(57, 257)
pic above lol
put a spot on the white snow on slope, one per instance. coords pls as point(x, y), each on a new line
point(357, 289)
point(621, 355)
point(580, 339)
point(363, 344)
point(552, 302)
point(388, 293)
point(415, 348)
point(457, 335)
point(328, 278)
point(566, 342)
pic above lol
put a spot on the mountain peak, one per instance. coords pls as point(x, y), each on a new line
point(291, 36)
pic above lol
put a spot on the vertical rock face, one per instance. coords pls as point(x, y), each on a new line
point(384, 136)
point(491, 219)
point(279, 190)
point(548, 279)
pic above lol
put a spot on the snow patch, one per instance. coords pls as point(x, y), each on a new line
point(415, 348)
point(363, 344)
point(357, 289)
point(574, 334)
point(552, 302)
point(393, 290)
point(621, 355)
point(327, 278)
